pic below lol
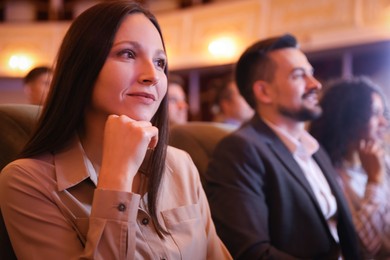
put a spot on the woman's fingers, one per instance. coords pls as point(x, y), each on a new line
point(124, 148)
point(371, 157)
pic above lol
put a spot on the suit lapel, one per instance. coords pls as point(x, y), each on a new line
point(345, 228)
point(286, 159)
point(328, 172)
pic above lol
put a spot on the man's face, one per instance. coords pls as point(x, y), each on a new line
point(38, 89)
point(294, 90)
point(236, 107)
point(177, 104)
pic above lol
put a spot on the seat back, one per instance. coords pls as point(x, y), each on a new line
point(199, 140)
point(16, 124)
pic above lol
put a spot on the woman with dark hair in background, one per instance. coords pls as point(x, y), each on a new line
point(352, 130)
point(97, 179)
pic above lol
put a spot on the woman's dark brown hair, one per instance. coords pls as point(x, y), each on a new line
point(81, 57)
point(347, 109)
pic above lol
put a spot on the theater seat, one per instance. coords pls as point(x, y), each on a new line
point(199, 140)
point(16, 124)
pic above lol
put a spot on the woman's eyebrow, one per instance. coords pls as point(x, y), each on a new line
point(137, 45)
point(133, 43)
point(161, 52)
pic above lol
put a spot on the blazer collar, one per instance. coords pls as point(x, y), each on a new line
point(283, 154)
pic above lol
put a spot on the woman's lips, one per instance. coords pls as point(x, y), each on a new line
point(143, 97)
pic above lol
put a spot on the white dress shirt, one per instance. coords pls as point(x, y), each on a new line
point(302, 150)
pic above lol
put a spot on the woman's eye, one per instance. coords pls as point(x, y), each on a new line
point(161, 63)
point(377, 112)
point(127, 54)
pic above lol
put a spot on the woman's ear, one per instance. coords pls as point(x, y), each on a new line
point(262, 92)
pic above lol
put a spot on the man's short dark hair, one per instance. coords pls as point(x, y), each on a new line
point(35, 73)
point(254, 64)
point(222, 89)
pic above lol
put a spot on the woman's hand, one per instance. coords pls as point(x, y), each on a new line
point(124, 147)
point(371, 156)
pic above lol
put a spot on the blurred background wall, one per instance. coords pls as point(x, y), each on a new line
point(205, 38)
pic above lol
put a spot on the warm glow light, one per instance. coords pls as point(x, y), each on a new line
point(223, 47)
point(20, 62)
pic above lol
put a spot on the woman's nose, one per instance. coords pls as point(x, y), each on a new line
point(148, 73)
point(384, 121)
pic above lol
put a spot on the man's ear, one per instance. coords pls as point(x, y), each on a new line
point(261, 90)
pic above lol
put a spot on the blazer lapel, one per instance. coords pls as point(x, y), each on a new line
point(330, 175)
point(285, 157)
point(287, 160)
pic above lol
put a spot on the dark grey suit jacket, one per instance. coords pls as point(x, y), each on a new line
point(263, 206)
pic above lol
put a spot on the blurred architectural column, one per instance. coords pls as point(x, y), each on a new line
point(19, 11)
point(56, 9)
point(347, 65)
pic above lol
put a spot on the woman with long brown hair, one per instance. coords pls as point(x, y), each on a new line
point(97, 179)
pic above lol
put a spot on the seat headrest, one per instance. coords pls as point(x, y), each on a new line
point(16, 124)
point(199, 140)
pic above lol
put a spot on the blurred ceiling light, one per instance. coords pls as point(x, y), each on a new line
point(224, 47)
point(20, 62)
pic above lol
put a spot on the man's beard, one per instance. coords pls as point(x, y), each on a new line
point(303, 114)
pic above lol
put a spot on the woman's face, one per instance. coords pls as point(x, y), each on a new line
point(132, 81)
point(378, 123)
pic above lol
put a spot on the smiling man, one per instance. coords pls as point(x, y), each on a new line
point(271, 187)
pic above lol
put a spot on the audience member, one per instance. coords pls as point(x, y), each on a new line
point(97, 179)
point(271, 188)
point(177, 104)
point(351, 129)
point(37, 84)
point(230, 107)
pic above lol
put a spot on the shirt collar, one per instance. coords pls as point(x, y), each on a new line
point(72, 166)
point(305, 144)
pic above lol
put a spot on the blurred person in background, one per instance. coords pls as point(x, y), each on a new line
point(177, 101)
point(37, 84)
point(352, 130)
point(230, 107)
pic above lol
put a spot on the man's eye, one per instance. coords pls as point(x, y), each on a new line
point(298, 75)
point(172, 100)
